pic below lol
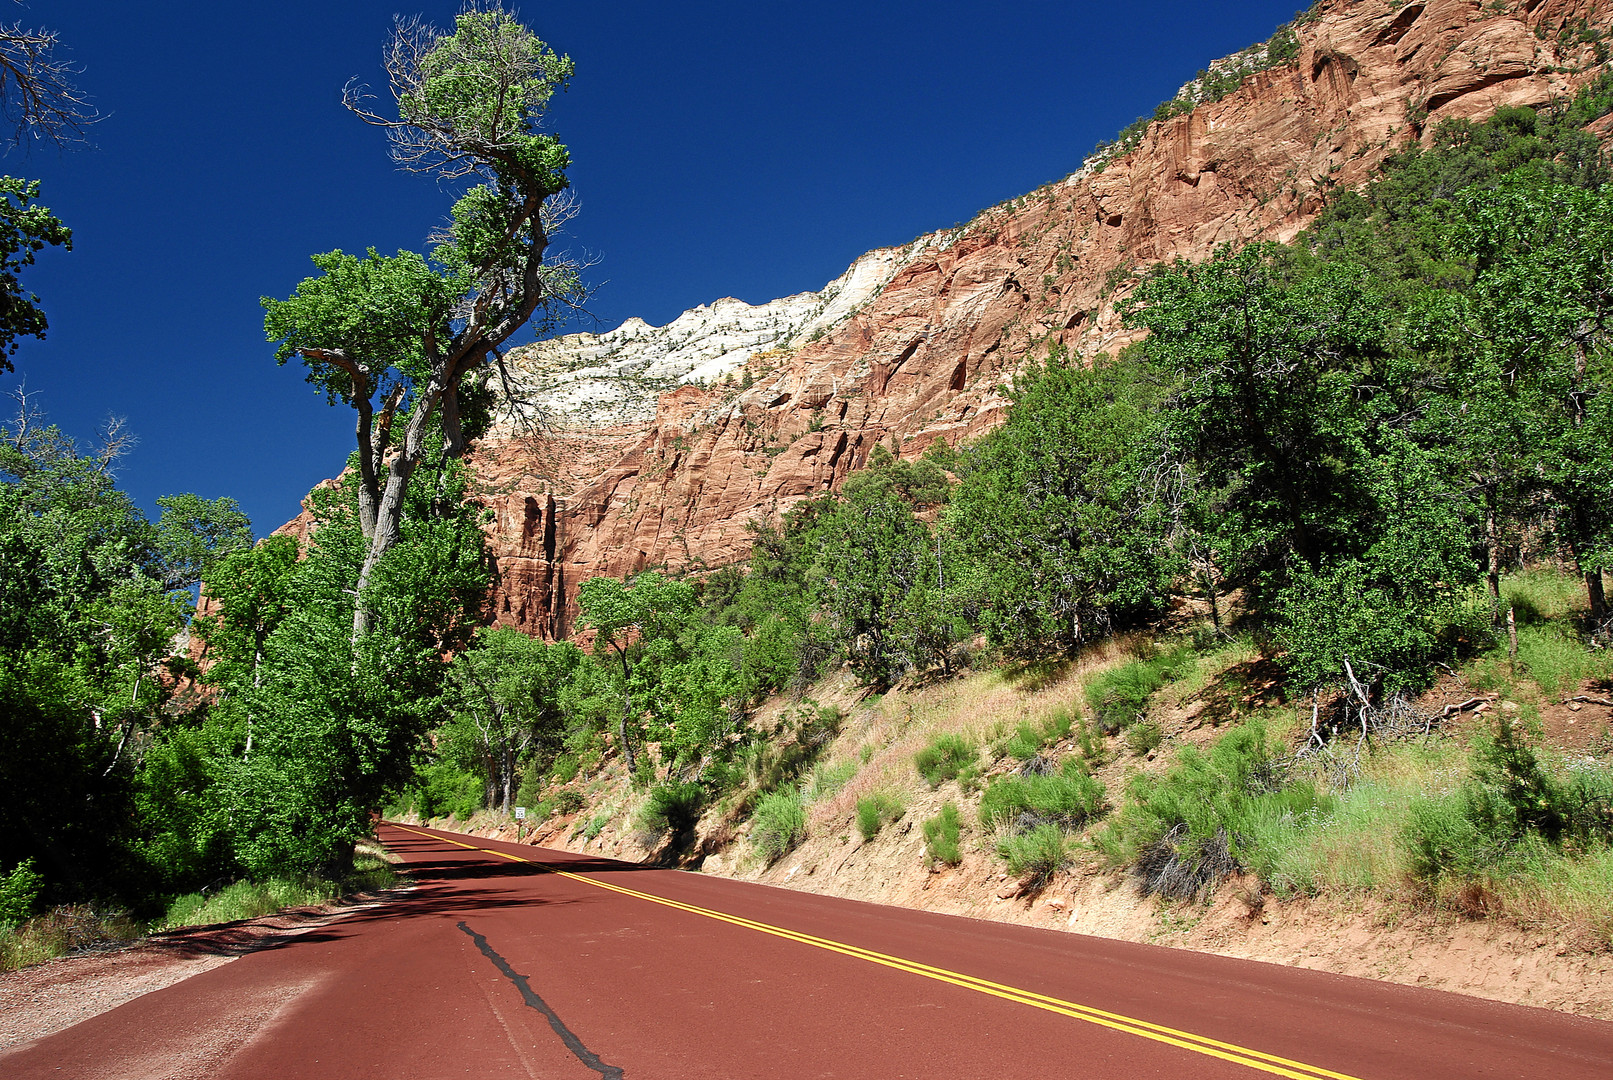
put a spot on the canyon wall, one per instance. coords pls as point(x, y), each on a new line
point(648, 446)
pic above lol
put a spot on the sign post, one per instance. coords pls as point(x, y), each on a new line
point(520, 816)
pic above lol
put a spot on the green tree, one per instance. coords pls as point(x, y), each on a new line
point(336, 726)
point(1275, 365)
point(26, 229)
point(639, 622)
point(1537, 356)
point(397, 338)
point(193, 533)
point(508, 698)
point(1070, 508)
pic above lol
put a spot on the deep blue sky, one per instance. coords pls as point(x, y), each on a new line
point(720, 149)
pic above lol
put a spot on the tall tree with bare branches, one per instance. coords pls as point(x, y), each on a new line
point(397, 337)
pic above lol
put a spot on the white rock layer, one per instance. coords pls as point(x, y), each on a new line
point(604, 380)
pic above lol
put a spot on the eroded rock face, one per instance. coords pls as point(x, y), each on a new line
point(913, 343)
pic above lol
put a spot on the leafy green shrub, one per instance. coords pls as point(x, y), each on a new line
point(876, 811)
point(778, 824)
point(565, 768)
point(1038, 854)
point(442, 789)
point(942, 834)
point(672, 807)
point(597, 823)
point(570, 800)
point(1069, 798)
point(1144, 736)
point(19, 892)
point(1513, 803)
point(943, 758)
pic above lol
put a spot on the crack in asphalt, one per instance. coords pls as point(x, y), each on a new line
point(530, 996)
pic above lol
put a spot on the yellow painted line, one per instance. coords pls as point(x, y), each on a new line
point(1186, 1040)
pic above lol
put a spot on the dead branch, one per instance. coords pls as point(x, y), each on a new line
point(37, 95)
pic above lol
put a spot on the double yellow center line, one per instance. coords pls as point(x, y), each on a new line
point(1186, 1040)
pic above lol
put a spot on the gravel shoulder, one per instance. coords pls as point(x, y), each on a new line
point(46, 998)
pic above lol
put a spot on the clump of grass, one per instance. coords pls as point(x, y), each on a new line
point(249, 900)
point(943, 834)
point(1118, 696)
point(672, 807)
point(1144, 736)
point(876, 811)
point(1029, 739)
point(1556, 659)
point(61, 931)
point(944, 757)
point(597, 823)
point(1090, 742)
point(1069, 798)
point(1036, 855)
point(1541, 595)
point(778, 824)
point(828, 779)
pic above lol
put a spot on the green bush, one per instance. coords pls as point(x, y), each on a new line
point(569, 801)
point(778, 824)
point(19, 892)
point(1038, 854)
point(1069, 798)
point(1515, 802)
point(1184, 831)
point(442, 789)
point(942, 834)
point(597, 823)
point(944, 758)
point(565, 768)
point(672, 807)
point(876, 811)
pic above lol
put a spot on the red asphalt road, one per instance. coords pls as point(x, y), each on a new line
point(492, 967)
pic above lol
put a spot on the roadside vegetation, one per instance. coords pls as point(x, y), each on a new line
point(1361, 463)
point(1192, 600)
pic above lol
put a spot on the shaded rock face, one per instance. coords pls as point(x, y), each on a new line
point(633, 465)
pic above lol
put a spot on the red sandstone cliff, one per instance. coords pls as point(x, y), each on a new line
point(923, 359)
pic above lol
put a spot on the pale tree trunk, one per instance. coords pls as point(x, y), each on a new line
point(627, 712)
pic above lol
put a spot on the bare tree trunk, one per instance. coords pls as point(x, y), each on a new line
point(627, 713)
point(1597, 596)
point(389, 507)
point(1492, 544)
